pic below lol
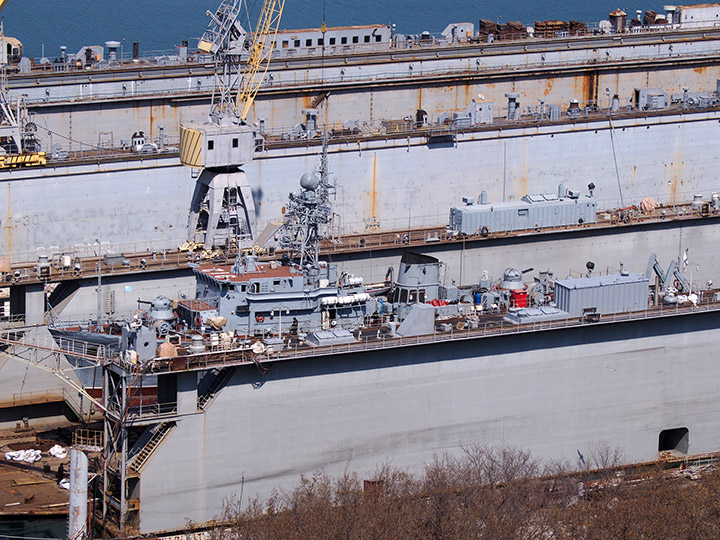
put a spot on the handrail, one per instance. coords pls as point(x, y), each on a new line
point(242, 356)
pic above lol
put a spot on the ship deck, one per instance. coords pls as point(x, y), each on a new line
point(24, 272)
point(491, 326)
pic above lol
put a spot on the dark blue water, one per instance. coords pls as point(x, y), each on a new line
point(158, 25)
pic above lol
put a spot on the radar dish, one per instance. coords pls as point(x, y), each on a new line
point(309, 181)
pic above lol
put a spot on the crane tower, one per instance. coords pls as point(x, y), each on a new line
point(222, 209)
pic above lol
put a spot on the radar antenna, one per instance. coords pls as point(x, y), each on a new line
point(308, 213)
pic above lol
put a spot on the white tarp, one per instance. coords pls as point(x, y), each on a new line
point(28, 456)
point(58, 452)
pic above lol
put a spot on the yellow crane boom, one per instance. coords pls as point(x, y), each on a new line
point(259, 58)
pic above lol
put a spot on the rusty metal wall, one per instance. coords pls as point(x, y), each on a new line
point(382, 183)
point(371, 89)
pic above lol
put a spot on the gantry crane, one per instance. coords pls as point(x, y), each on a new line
point(222, 210)
point(17, 132)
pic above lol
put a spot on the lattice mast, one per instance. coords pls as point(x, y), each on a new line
point(308, 215)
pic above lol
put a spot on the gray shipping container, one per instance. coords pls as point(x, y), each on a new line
point(605, 294)
point(533, 211)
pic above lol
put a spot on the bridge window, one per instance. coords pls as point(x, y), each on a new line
point(332, 41)
point(321, 42)
point(235, 142)
point(674, 440)
point(296, 43)
point(403, 296)
point(378, 38)
point(367, 39)
point(356, 39)
point(285, 44)
point(343, 40)
point(308, 42)
point(211, 144)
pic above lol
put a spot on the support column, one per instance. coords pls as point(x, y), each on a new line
point(187, 392)
point(35, 304)
point(123, 457)
point(77, 513)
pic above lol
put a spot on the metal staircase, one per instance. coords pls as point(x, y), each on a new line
point(219, 378)
point(159, 432)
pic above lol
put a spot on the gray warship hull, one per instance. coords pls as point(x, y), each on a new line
point(553, 392)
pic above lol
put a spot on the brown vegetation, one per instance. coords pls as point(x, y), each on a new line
point(498, 494)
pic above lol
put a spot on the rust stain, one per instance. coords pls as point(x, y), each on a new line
point(674, 172)
point(152, 119)
point(549, 83)
point(700, 70)
point(590, 87)
point(420, 97)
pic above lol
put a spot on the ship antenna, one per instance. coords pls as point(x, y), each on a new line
point(308, 214)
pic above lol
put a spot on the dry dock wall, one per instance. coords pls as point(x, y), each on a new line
point(554, 393)
point(373, 87)
point(394, 183)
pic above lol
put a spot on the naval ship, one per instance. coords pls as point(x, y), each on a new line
point(416, 123)
point(213, 397)
point(637, 377)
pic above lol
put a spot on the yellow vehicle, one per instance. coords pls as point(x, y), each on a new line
point(14, 161)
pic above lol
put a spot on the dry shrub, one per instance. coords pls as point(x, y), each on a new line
point(487, 493)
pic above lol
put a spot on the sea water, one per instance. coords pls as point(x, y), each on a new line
point(45, 25)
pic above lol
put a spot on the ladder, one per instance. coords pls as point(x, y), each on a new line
point(220, 377)
point(158, 435)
